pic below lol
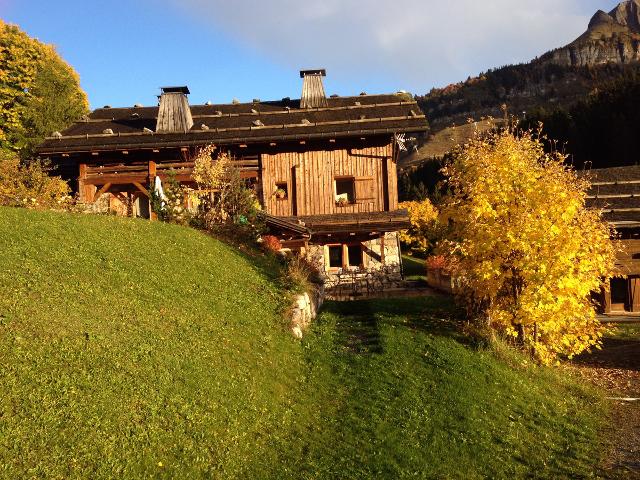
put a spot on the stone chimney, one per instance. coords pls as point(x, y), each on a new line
point(313, 95)
point(174, 114)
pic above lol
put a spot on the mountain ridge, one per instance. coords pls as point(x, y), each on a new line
point(612, 37)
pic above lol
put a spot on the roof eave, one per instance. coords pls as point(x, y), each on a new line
point(227, 141)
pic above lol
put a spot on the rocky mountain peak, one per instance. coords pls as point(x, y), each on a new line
point(627, 13)
point(612, 37)
point(601, 19)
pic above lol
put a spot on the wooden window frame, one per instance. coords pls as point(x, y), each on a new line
point(343, 178)
point(279, 186)
point(345, 256)
point(327, 257)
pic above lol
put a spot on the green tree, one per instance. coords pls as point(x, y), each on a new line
point(39, 92)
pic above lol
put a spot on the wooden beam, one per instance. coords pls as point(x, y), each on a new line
point(382, 249)
point(141, 188)
point(104, 188)
point(606, 299)
point(82, 176)
point(85, 188)
point(151, 178)
point(635, 294)
point(152, 169)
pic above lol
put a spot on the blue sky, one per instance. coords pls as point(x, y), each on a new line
point(245, 49)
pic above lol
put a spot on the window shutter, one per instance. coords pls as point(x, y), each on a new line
point(365, 189)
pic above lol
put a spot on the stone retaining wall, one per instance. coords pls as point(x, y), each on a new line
point(305, 309)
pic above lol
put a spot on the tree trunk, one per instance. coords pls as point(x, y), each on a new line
point(520, 328)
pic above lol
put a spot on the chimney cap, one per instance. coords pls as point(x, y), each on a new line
point(319, 71)
point(183, 89)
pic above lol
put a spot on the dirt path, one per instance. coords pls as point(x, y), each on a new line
point(616, 368)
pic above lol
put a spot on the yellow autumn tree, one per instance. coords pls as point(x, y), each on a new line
point(423, 217)
point(526, 252)
point(39, 92)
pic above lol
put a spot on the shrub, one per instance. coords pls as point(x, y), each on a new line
point(31, 186)
point(223, 199)
point(435, 262)
point(299, 274)
point(271, 243)
point(170, 207)
point(424, 229)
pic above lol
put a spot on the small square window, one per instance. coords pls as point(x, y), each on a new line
point(345, 190)
point(335, 256)
point(354, 253)
point(281, 193)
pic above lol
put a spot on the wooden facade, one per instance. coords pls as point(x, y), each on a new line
point(325, 167)
point(310, 180)
point(616, 191)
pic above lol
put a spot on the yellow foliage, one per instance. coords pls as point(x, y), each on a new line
point(526, 251)
point(423, 216)
point(30, 186)
point(222, 194)
point(39, 92)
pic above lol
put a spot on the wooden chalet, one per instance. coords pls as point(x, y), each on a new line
point(617, 191)
point(323, 168)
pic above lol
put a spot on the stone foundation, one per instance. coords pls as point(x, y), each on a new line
point(388, 265)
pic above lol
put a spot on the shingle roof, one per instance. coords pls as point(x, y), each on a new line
point(237, 123)
point(616, 191)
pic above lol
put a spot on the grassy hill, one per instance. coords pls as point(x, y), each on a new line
point(131, 349)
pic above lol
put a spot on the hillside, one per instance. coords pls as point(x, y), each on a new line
point(135, 349)
point(129, 348)
point(607, 52)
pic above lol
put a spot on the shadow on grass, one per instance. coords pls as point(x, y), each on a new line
point(360, 321)
point(618, 353)
point(357, 327)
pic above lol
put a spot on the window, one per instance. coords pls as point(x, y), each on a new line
point(345, 256)
point(335, 256)
point(619, 292)
point(354, 255)
point(281, 193)
point(345, 190)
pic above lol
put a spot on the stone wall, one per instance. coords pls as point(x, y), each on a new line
point(305, 309)
point(316, 253)
point(391, 252)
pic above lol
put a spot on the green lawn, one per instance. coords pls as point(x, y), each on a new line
point(401, 394)
point(625, 331)
point(131, 349)
point(414, 268)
